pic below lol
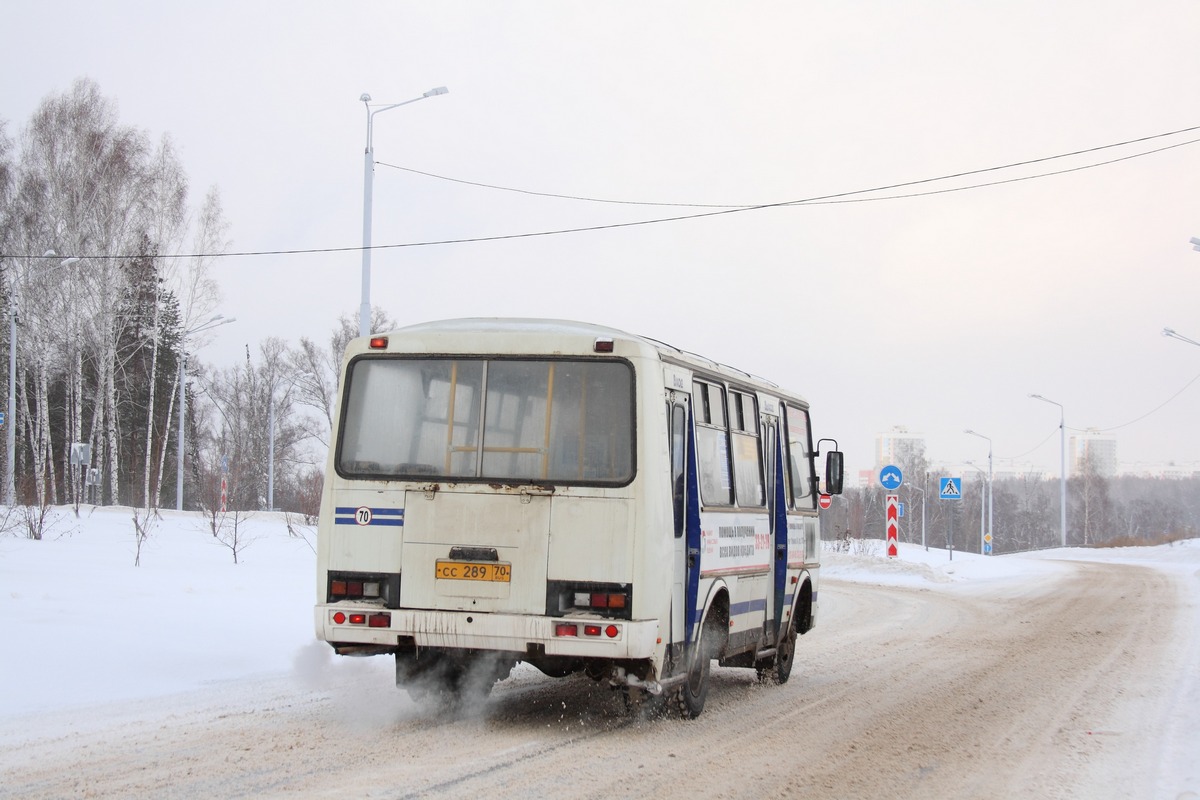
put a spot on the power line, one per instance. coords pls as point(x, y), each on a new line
point(720, 210)
point(814, 201)
point(1152, 411)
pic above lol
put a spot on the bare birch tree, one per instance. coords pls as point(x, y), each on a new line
point(86, 186)
point(197, 293)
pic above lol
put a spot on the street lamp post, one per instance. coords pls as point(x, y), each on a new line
point(922, 491)
point(1171, 333)
point(364, 310)
point(212, 322)
point(991, 536)
point(1062, 427)
point(982, 503)
point(11, 423)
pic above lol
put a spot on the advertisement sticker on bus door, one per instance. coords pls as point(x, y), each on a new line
point(735, 543)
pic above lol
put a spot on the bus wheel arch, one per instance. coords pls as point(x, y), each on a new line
point(802, 611)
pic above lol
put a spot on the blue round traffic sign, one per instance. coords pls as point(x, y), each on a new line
point(891, 477)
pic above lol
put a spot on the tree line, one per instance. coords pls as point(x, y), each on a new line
point(103, 314)
point(1124, 510)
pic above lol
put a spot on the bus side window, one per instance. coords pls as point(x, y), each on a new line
point(678, 416)
point(769, 432)
point(712, 445)
point(747, 456)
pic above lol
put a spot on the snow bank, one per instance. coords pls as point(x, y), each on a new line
point(916, 566)
point(82, 625)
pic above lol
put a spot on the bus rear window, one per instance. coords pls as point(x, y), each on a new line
point(525, 420)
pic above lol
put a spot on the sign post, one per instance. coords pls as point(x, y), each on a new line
point(890, 477)
point(950, 489)
point(893, 525)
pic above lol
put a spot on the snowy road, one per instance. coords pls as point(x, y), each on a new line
point(1013, 688)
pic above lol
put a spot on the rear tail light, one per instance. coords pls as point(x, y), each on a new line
point(372, 587)
point(382, 620)
point(589, 630)
point(604, 599)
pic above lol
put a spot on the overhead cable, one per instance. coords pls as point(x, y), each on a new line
point(720, 210)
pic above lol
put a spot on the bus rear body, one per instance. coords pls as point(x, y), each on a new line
point(566, 495)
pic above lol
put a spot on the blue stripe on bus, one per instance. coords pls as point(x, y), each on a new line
point(748, 607)
point(346, 515)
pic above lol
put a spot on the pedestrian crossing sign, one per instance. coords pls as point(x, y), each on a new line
point(950, 489)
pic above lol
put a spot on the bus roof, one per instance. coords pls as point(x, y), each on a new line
point(448, 335)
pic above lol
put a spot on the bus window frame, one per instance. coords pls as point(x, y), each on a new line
point(345, 394)
point(793, 500)
point(702, 387)
point(749, 428)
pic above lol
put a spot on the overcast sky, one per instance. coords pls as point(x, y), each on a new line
point(940, 312)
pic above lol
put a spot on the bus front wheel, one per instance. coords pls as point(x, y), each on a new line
point(779, 668)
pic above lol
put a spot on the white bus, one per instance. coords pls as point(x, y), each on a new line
point(570, 496)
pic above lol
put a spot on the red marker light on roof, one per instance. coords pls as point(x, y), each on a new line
point(603, 345)
point(379, 342)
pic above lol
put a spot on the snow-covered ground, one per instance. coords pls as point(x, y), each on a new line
point(83, 627)
point(80, 624)
point(918, 567)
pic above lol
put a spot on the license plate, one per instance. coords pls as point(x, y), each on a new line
point(473, 571)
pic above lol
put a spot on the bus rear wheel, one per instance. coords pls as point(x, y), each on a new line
point(694, 691)
point(785, 655)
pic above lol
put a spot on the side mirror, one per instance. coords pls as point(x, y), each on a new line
point(833, 472)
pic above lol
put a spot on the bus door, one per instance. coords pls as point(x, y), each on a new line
point(679, 432)
point(777, 511)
